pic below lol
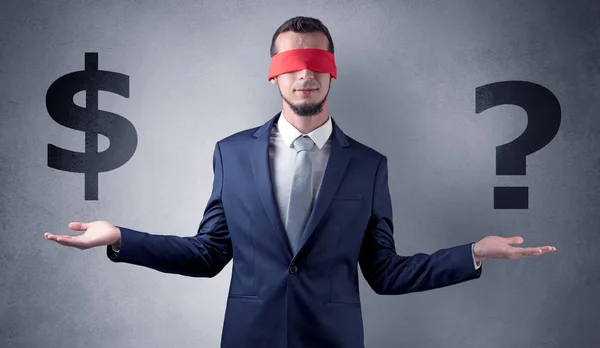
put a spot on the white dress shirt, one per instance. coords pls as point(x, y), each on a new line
point(282, 156)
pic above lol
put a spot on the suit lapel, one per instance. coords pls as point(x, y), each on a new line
point(334, 172)
point(262, 177)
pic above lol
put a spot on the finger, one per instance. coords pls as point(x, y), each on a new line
point(78, 226)
point(535, 251)
point(52, 236)
point(71, 241)
point(539, 250)
point(514, 240)
point(546, 249)
point(536, 254)
point(532, 251)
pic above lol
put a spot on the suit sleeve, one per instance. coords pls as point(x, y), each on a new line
point(202, 255)
point(391, 274)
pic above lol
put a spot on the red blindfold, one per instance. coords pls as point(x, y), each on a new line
point(314, 59)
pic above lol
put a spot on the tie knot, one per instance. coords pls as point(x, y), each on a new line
point(303, 143)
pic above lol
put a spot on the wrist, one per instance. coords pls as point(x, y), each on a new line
point(117, 243)
point(477, 253)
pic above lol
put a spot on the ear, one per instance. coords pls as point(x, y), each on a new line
point(273, 80)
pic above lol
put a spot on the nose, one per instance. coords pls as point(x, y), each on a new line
point(306, 74)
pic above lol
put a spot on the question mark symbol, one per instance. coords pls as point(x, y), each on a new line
point(543, 120)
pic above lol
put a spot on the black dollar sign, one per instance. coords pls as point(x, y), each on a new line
point(120, 132)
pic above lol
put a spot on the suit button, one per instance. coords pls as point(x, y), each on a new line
point(293, 269)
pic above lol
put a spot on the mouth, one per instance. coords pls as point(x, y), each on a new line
point(306, 90)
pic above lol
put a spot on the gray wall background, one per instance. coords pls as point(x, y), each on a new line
point(407, 77)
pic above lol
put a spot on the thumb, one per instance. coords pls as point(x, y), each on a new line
point(78, 226)
point(514, 240)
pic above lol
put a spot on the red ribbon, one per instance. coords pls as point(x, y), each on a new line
point(314, 59)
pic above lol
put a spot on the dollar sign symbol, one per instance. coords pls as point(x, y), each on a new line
point(120, 132)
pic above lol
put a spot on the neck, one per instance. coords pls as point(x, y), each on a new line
point(306, 124)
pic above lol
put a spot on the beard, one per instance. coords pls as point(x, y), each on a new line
point(307, 109)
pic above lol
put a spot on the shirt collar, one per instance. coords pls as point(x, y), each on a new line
point(289, 133)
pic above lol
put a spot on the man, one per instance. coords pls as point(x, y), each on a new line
point(298, 205)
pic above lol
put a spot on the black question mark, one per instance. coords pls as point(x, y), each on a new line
point(543, 115)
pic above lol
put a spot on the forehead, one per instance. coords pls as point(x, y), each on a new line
point(291, 40)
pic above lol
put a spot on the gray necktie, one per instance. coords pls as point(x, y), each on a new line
point(300, 203)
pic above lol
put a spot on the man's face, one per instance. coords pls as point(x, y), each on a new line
point(305, 91)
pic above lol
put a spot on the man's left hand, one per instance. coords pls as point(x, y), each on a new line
point(494, 247)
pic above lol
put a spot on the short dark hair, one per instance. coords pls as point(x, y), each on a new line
point(302, 24)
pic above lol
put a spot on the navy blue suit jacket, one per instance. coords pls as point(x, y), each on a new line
point(309, 299)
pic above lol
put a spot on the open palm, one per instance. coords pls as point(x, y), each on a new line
point(96, 233)
point(495, 247)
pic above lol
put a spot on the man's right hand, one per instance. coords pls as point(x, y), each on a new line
point(96, 233)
